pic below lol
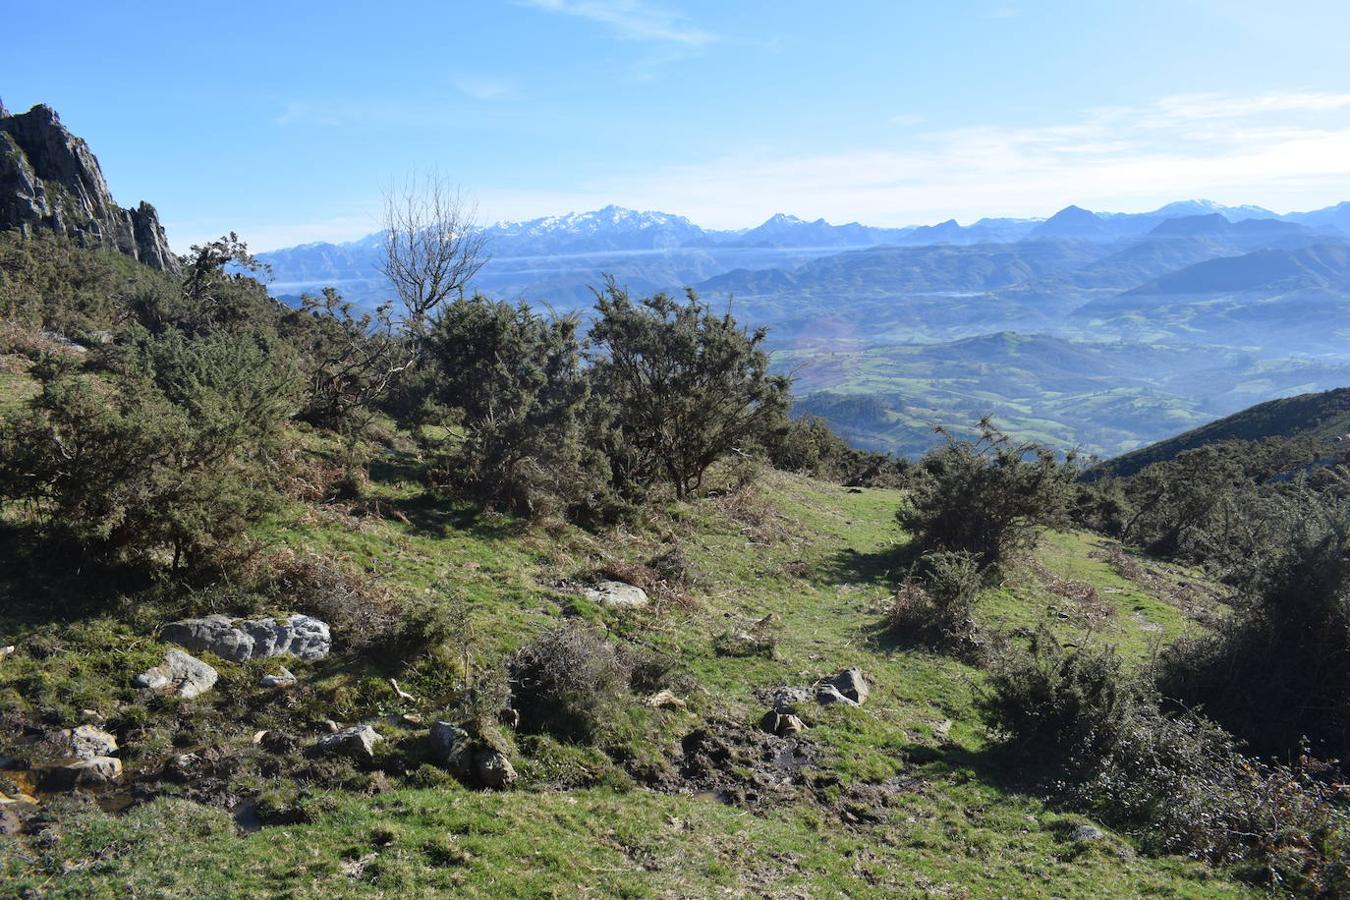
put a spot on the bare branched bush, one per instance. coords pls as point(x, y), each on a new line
point(568, 682)
point(432, 245)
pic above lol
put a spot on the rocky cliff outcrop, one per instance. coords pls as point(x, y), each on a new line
point(50, 179)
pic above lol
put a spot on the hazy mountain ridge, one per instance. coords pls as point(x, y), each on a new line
point(1323, 416)
point(615, 229)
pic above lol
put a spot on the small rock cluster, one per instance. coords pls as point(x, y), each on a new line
point(93, 763)
point(471, 759)
point(181, 673)
point(237, 640)
point(848, 687)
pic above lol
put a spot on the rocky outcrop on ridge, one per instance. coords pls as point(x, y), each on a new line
point(49, 179)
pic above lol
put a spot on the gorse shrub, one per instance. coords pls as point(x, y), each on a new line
point(684, 386)
point(1279, 669)
point(988, 496)
point(935, 604)
point(1176, 781)
point(172, 448)
point(807, 444)
point(1063, 705)
point(350, 362)
point(508, 386)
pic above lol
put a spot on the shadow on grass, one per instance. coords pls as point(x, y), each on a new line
point(850, 566)
point(396, 468)
point(998, 765)
point(886, 636)
point(46, 577)
point(430, 515)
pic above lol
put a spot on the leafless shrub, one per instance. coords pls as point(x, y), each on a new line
point(433, 247)
point(568, 681)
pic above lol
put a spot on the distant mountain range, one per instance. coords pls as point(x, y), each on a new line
point(1101, 330)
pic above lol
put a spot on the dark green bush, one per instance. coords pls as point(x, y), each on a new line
point(1067, 706)
point(988, 497)
point(508, 387)
point(807, 444)
point(1176, 781)
point(1278, 671)
point(173, 448)
point(935, 604)
point(684, 387)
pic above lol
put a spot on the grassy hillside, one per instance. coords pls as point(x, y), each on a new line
point(903, 797)
point(1323, 416)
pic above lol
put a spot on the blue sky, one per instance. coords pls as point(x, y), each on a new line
point(285, 121)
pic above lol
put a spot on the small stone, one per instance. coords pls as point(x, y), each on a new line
point(452, 746)
point(88, 742)
point(851, 683)
point(790, 699)
point(494, 770)
point(186, 675)
point(412, 720)
point(330, 726)
point(1087, 833)
point(87, 772)
point(665, 700)
point(618, 595)
point(357, 742)
point(283, 679)
point(782, 724)
point(829, 695)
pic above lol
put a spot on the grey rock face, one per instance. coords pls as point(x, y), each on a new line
point(185, 675)
point(790, 699)
point(828, 695)
point(453, 746)
point(88, 742)
point(458, 752)
point(618, 594)
point(356, 743)
point(240, 640)
point(49, 179)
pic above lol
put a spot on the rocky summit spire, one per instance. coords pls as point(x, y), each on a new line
point(50, 179)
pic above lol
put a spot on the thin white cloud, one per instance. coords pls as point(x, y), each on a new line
point(633, 19)
point(1280, 150)
point(484, 87)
